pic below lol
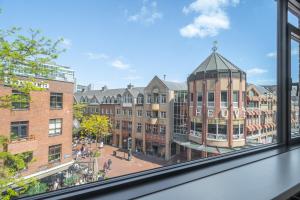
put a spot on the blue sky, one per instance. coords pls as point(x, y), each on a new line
point(113, 42)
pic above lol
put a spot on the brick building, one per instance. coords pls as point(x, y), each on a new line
point(142, 117)
point(260, 115)
point(42, 126)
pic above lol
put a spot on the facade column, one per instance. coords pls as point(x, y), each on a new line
point(204, 112)
point(177, 149)
point(230, 123)
point(121, 135)
point(167, 150)
point(189, 154)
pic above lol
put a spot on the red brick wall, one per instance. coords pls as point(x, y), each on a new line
point(38, 116)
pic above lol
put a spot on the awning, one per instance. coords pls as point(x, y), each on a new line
point(249, 128)
point(259, 126)
point(51, 171)
point(255, 126)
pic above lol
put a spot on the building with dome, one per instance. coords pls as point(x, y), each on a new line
point(216, 108)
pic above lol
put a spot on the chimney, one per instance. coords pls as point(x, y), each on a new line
point(104, 88)
point(130, 86)
point(165, 77)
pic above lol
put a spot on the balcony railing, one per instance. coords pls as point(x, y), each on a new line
point(20, 145)
point(195, 133)
point(210, 104)
point(127, 104)
point(217, 136)
point(237, 137)
point(224, 104)
point(21, 139)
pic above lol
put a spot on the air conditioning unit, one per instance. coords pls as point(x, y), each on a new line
point(210, 113)
point(224, 113)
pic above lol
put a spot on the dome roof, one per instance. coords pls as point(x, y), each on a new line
point(216, 62)
point(214, 66)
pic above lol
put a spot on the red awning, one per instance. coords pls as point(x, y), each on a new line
point(249, 128)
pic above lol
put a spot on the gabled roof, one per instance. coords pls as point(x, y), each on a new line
point(136, 91)
point(261, 90)
point(216, 62)
point(171, 85)
point(175, 85)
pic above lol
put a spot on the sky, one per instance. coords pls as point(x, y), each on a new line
point(114, 42)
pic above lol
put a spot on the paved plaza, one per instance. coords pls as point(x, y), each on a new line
point(120, 164)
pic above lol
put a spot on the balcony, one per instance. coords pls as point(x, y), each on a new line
point(153, 120)
point(155, 106)
point(156, 138)
point(127, 105)
point(22, 145)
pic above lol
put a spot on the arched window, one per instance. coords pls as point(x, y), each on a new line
point(140, 99)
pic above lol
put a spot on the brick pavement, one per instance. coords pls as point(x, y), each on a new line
point(121, 166)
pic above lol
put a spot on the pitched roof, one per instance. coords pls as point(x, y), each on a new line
point(175, 85)
point(216, 62)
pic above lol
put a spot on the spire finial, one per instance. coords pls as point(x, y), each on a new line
point(215, 46)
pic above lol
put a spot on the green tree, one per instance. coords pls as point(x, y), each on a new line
point(96, 125)
point(11, 183)
point(37, 188)
point(78, 114)
point(27, 53)
point(78, 111)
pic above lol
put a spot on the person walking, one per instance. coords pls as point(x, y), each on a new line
point(105, 167)
point(109, 162)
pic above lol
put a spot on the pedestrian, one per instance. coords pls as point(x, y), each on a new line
point(105, 167)
point(109, 162)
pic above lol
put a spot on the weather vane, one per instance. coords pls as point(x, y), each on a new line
point(215, 46)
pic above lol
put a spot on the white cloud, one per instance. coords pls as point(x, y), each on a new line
point(148, 13)
point(272, 55)
point(255, 71)
point(96, 56)
point(294, 51)
point(119, 64)
point(210, 20)
point(132, 77)
point(67, 43)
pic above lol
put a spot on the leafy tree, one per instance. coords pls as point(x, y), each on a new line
point(37, 188)
point(96, 125)
point(78, 111)
point(11, 184)
point(78, 114)
point(28, 53)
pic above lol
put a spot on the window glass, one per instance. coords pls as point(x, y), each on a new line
point(235, 99)
point(54, 154)
point(20, 100)
point(191, 79)
point(211, 99)
point(224, 102)
point(55, 127)
point(19, 130)
point(56, 100)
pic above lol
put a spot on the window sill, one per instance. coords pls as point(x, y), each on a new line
point(151, 181)
point(56, 108)
point(54, 135)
